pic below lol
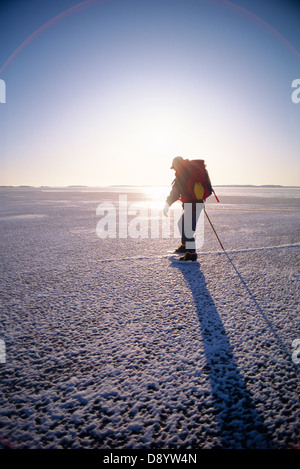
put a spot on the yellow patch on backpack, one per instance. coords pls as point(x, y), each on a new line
point(199, 191)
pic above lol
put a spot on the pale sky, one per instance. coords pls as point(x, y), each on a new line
point(109, 92)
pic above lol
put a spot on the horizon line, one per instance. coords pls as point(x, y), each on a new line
point(74, 186)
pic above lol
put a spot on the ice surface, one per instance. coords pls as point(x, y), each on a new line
point(109, 345)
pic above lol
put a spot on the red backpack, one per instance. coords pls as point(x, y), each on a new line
point(199, 186)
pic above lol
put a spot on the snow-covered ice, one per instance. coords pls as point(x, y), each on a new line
point(108, 345)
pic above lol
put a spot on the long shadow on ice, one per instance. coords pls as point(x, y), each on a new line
point(239, 423)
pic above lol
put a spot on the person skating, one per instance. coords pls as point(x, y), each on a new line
point(183, 189)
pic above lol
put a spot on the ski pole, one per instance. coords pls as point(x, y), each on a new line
point(214, 230)
point(216, 196)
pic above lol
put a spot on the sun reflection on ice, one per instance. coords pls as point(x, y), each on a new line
point(156, 196)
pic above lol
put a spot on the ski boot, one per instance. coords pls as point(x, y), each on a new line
point(189, 256)
point(180, 250)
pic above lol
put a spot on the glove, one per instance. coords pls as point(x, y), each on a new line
point(166, 209)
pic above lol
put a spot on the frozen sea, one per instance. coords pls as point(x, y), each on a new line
point(106, 344)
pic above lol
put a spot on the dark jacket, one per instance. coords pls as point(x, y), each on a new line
point(180, 185)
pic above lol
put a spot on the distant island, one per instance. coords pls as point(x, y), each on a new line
point(252, 185)
point(79, 186)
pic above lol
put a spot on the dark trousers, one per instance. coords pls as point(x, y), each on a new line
point(187, 224)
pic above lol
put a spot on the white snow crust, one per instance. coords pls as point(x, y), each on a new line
point(109, 345)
